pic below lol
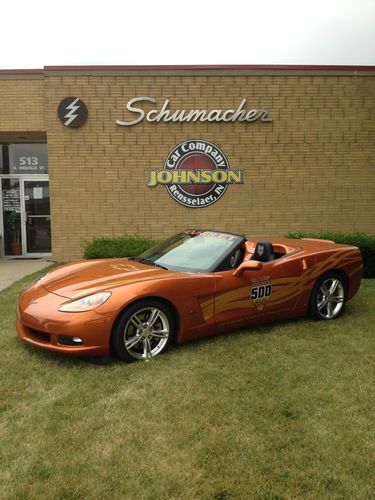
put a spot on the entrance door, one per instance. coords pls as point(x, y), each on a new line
point(36, 220)
point(10, 231)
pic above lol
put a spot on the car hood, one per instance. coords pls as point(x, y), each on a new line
point(91, 276)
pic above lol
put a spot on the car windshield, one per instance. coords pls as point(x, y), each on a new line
point(192, 251)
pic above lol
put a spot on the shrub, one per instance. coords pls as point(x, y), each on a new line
point(365, 242)
point(127, 246)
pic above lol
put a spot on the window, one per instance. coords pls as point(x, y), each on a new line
point(193, 251)
point(23, 159)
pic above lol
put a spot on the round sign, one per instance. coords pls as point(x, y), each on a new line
point(72, 112)
point(207, 180)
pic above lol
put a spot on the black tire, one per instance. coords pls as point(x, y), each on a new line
point(328, 297)
point(140, 335)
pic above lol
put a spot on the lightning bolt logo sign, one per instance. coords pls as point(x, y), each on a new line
point(71, 115)
point(72, 112)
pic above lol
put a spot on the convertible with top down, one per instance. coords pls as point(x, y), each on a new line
point(195, 284)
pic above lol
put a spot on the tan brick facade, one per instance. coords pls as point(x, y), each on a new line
point(22, 104)
point(312, 168)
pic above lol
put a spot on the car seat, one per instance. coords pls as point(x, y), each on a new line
point(263, 252)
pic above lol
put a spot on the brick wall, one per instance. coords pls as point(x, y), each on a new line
point(22, 103)
point(311, 169)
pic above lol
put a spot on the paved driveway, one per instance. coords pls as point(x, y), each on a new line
point(12, 270)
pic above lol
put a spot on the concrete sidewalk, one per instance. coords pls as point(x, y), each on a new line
point(12, 270)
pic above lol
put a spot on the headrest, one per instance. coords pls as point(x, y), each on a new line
point(263, 251)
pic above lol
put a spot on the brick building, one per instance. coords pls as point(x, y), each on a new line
point(294, 146)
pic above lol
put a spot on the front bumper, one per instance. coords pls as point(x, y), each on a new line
point(39, 323)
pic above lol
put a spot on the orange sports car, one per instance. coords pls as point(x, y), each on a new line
point(195, 284)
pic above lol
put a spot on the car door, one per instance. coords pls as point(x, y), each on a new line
point(267, 293)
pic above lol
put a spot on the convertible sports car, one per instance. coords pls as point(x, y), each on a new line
point(195, 284)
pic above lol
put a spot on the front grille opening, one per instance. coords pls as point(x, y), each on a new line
point(40, 336)
point(70, 341)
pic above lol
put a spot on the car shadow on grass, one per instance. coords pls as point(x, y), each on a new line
point(63, 360)
point(296, 328)
point(279, 328)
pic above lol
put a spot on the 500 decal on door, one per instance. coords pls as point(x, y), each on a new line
point(260, 295)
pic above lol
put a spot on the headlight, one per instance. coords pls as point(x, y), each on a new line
point(86, 303)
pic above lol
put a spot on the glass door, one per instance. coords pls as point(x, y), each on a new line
point(37, 221)
point(11, 216)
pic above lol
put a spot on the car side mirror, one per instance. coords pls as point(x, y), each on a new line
point(247, 265)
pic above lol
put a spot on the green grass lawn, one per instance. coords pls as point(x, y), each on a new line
point(282, 411)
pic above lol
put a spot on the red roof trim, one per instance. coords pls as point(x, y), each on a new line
point(200, 67)
point(210, 67)
point(21, 71)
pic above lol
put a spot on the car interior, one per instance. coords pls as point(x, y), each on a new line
point(261, 251)
point(265, 251)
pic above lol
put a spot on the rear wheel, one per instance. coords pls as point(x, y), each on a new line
point(143, 331)
point(328, 297)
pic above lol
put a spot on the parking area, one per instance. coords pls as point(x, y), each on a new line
point(12, 270)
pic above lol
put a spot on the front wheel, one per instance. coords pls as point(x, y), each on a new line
point(328, 297)
point(143, 331)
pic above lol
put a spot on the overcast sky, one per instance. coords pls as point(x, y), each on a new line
point(76, 32)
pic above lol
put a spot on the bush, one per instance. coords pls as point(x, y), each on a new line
point(365, 242)
point(127, 246)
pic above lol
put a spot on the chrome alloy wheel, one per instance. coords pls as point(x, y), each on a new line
point(146, 333)
point(330, 298)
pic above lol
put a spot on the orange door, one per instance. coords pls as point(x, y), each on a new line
point(270, 292)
